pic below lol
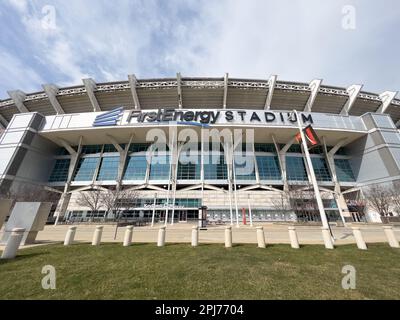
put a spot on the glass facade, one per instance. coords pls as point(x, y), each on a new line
point(343, 170)
point(136, 168)
point(264, 147)
point(189, 171)
point(268, 168)
point(60, 171)
point(159, 167)
point(139, 147)
point(245, 167)
point(321, 169)
point(295, 168)
point(92, 149)
point(108, 168)
point(86, 168)
point(215, 167)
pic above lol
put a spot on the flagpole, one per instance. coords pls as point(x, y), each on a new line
point(321, 209)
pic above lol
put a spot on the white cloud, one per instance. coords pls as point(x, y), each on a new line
point(15, 75)
point(297, 40)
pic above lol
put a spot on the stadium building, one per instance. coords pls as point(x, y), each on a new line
point(95, 136)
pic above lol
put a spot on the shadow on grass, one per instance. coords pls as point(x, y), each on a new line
point(22, 257)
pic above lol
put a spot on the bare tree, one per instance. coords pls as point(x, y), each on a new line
point(281, 203)
point(24, 192)
point(90, 199)
point(117, 200)
point(379, 197)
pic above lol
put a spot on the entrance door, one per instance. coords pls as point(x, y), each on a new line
point(182, 216)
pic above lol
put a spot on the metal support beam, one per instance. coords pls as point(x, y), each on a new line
point(91, 86)
point(18, 97)
point(66, 196)
point(271, 88)
point(228, 153)
point(225, 90)
point(387, 98)
point(341, 203)
point(51, 91)
point(314, 87)
point(353, 92)
point(133, 83)
point(115, 143)
point(282, 159)
point(123, 156)
point(179, 82)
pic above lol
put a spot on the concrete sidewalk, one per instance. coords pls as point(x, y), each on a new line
point(181, 233)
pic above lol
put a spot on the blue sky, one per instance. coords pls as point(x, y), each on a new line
point(62, 42)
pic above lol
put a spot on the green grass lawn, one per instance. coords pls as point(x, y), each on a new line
point(178, 271)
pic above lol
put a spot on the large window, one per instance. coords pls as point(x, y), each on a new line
point(343, 170)
point(321, 170)
point(136, 168)
point(60, 171)
point(268, 168)
point(86, 168)
point(139, 147)
point(264, 147)
point(91, 149)
point(159, 168)
point(189, 171)
point(215, 167)
point(245, 167)
point(108, 169)
point(296, 170)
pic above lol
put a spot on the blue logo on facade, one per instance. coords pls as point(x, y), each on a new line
point(109, 118)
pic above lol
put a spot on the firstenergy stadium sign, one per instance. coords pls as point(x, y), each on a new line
point(118, 116)
point(214, 117)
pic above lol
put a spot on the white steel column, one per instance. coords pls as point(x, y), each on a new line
point(91, 86)
point(179, 86)
point(250, 213)
point(281, 153)
point(51, 92)
point(331, 164)
point(314, 87)
point(235, 187)
point(133, 83)
point(271, 88)
point(353, 92)
point(75, 154)
point(175, 177)
point(324, 220)
point(387, 98)
point(154, 209)
point(228, 158)
point(18, 97)
point(225, 90)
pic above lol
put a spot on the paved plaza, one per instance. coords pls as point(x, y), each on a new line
point(181, 233)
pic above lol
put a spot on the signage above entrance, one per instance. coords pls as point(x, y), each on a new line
point(215, 116)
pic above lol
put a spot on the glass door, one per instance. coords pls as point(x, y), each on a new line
point(182, 215)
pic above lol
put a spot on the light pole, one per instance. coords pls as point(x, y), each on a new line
point(321, 209)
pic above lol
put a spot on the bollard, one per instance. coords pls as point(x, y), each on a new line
point(359, 238)
point(69, 237)
point(97, 235)
point(195, 236)
point(128, 236)
point(327, 238)
point(391, 236)
point(228, 237)
point(161, 237)
point(260, 237)
point(10, 251)
point(293, 238)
